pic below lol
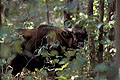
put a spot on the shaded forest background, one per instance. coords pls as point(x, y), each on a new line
point(93, 62)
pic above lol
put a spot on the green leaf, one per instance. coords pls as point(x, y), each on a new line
point(53, 53)
point(62, 77)
point(43, 22)
point(56, 60)
point(5, 51)
point(28, 78)
point(60, 0)
point(17, 46)
point(64, 66)
point(52, 34)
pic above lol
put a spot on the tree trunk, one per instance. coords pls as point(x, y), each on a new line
point(90, 38)
point(68, 1)
point(47, 11)
point(111, 9)
point(0, 29)
point(108, 11)
point(67, 14)
point(91, 43)
point(0, 14)
point(116, 67)
point(100, 50)
point(77, 8)
point(90, 7)
point(117, 39)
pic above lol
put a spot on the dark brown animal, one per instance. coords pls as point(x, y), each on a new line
point(79, 33)
point(27, 33)
point(45, 35)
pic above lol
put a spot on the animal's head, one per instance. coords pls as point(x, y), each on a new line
point(79, 34)
point(27, 33)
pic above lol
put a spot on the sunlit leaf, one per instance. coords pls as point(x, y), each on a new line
point(112, 50)
point(60, 0)
point(53, 53)
point(43, 22)
point(5, 51)
point(17, 46)
point(100, 25)
point(64, 66)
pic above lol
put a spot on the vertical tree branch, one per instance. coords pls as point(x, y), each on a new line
point(91, 45)
point(68, 1)
point(47, 11)
point(91, 42)
point(117, 39)
point(0, 28)
point(77, 1)
point(116, 67)
point(111, 9)
point(0, 14)
point(90, 7)
point(100, 50)
point(67, 14)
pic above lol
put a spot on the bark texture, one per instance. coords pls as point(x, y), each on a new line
point(91, 42)
point(116, 66)
point(47, 11)
point(100, 50)
point(117, 39)
point(90, 38)
point(0, 13)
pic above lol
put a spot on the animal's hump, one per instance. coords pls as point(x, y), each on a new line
point(49, 28)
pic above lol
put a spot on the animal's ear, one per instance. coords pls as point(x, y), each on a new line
point(66, 34)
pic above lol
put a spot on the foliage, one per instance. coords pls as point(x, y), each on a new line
point(31, 13)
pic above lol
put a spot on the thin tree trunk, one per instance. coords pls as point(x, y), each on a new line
point(91, 43)
point(100, 38)
point(0, 28)
point(68, 1)
point(108, 12)
point(77, 1)
point(113, 5)
point(47, 11)
point(67, 14)
point(90, 7)
point(90, 39)
point(100, 50)
point(0, 14)
point(111, 9)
